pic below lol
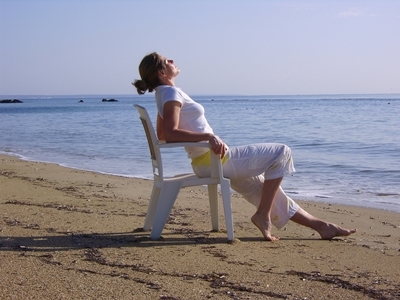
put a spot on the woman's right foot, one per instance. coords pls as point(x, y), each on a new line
point(264, 225)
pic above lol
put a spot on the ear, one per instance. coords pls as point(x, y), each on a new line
point(161, 73)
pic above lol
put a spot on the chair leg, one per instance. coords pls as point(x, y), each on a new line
point(213, 198)
point(151, 209)
point(167, 198)
point(226, 199)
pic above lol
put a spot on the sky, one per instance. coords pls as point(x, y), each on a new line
point(222, 47)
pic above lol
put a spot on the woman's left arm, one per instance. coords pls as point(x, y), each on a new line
point(160, 128)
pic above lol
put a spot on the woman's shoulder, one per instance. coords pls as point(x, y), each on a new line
point(169, 91)
point(165, 93)
point(167, 88)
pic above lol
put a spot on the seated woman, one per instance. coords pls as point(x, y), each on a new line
point(255, 170)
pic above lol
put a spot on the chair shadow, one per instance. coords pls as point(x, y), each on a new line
point(137, 239)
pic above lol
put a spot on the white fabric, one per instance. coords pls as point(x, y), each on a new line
point(249, 166)
point(192, 113)
point(271, 159)
point(283, 207)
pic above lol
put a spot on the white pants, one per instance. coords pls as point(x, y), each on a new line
point(248, 166)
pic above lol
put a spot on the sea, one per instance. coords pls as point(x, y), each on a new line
point(346, 148)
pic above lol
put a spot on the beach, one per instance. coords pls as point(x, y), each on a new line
point(72, 234)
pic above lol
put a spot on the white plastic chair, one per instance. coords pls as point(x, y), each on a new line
point(166, 189)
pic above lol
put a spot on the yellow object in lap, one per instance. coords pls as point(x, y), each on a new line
point(205, 160)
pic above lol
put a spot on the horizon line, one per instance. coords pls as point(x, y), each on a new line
point(196, 95)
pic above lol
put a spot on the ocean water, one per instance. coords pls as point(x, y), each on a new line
point(346, 148)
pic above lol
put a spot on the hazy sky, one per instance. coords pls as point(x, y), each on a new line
point(247, 47)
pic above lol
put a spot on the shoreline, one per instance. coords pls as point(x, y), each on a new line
point(71, 234)
point(64, 165)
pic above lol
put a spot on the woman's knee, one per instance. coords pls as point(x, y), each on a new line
point(285, 155)
point(286, 150)
point(282, 165)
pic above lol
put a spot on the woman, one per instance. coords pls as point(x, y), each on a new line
point(255, 171)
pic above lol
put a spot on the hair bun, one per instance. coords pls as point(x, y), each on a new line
point(141, 86)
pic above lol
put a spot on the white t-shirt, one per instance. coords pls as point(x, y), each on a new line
point(191, 116)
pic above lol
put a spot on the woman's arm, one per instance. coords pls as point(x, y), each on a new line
point(172, 133)
point(171, 122)
point(160, 130)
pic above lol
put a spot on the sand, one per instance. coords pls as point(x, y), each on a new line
point(72, 234)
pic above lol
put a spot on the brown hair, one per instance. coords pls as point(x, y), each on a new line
point(148, 70)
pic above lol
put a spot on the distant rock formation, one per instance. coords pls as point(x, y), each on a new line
point(109, 100)
point(11, 101)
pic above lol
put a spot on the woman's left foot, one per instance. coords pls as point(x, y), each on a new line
point(332, 230)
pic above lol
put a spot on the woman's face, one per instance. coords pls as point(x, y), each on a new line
point(170, 69)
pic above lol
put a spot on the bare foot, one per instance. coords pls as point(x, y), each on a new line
point(264, 225)
point(329, 231)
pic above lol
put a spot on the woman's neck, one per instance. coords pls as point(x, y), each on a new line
point(167, 81)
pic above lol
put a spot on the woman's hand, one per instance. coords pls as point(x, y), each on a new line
point(217, 145)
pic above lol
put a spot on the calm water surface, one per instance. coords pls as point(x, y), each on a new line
point(346, 148)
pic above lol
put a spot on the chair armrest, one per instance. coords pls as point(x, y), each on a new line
point(163, 144)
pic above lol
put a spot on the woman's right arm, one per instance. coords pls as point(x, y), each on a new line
point(173, 133)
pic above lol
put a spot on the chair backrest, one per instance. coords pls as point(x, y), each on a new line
point(152, 140)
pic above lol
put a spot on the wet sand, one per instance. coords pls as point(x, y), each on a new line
point(72, 234)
